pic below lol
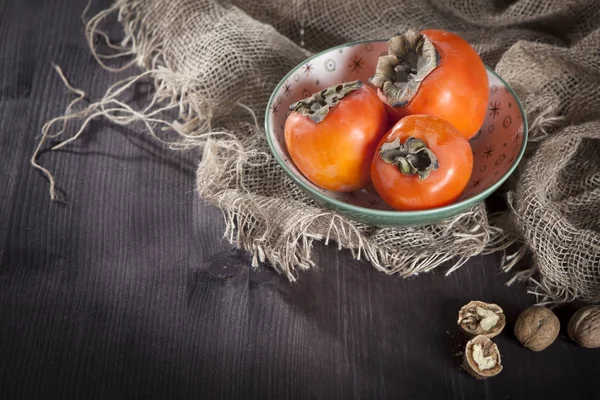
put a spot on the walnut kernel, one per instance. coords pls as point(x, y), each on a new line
point(482, 358)
point(584, 327)
point(537, 328)
point(479, 318)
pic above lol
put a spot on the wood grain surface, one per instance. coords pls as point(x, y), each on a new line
point(129, 290)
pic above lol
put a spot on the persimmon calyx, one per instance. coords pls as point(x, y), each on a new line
point(317, 106)
point(411, 57)
point(411, 158)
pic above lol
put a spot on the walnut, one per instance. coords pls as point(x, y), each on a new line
point(479, 318)
point(537, 328)
point(482, 358)
point(584, 327)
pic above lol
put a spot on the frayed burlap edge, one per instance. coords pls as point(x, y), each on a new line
point(291, 248)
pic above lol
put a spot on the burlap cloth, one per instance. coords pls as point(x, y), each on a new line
point(214, 65)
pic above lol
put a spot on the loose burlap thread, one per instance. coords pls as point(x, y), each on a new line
point(214, 65)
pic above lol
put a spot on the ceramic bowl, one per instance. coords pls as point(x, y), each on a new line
point(497, 147)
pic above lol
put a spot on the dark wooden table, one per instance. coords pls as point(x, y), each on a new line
point(129, 291)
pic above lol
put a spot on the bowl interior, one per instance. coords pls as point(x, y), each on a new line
point(497, 147)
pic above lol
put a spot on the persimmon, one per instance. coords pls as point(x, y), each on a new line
point(423, 162)
point(331, 136)
point(437, 73)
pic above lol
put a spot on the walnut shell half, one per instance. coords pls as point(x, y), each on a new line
point(537, 328)
point(482, 358)
point(584, 327)
point(479, 318)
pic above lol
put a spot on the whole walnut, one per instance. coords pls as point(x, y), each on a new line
point(584, 327)
point(537, 328)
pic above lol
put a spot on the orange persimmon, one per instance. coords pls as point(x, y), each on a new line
point(331, 136)
point(437, 73)
point(423, 162)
